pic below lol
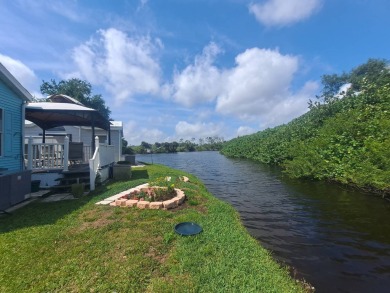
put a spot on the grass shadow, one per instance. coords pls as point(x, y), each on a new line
point(144, 163)
point(39, 213)
point(139, 174)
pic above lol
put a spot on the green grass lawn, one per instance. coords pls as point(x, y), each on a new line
point(77, 246)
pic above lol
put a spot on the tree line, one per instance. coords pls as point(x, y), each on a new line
point(345, 137)
point(210, 143)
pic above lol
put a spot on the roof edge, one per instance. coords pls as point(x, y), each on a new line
point(11, 81)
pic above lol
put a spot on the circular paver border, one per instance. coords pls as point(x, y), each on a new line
point(119, 200)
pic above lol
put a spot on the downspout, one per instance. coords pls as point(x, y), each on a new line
point(109, 133)
point(22, 166)
point(120, 135)
point(93, 133)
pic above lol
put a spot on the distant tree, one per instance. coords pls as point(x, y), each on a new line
point(170, 147)
point(373, 71)
point(332, 83)
point(370, 71)
point(210, 143)
point(124, 143)
point(126, 149)
point(190, 145)
point(146, 145)
point(78, 89)
point(174, 146)
point(158, 148)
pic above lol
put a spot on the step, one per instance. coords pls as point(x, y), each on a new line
point(73, 180)
point(74, 173)
point(65, 186)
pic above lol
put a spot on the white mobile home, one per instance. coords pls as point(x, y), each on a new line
point(78, 134)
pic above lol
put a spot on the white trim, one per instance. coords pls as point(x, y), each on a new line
point(23, 167)
point(58, 106)
point(14, 84)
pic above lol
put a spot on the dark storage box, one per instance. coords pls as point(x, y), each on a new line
point(14, 186)
point(130, 158)
point(35, 185)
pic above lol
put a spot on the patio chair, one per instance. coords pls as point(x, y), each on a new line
point(76, 152)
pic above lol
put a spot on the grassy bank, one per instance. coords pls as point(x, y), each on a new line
point(77, 246)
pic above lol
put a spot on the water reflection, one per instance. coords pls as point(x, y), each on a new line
point(336, 239)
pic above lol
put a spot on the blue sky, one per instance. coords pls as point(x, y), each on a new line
point(172, 69)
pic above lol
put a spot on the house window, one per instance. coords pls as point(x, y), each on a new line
point(102, 138)
point(1, 132)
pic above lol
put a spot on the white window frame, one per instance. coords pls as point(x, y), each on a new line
point(102, 138)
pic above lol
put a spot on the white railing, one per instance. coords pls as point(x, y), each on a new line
point(87, 153)
point(47, 155)
point(56, 156)
point(107, 154)
point(51, 155)
point(104, 155)
point(94, 164)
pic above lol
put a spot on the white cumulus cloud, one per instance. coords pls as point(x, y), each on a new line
point(142, 4)
point(124, 66)
point(199, 82)
point(245, 130)
point(187, 130)
point(21, 72)
point(290, 107)
point(135, 134)
point(284, 12)
point(259, 81)
point(256, 88)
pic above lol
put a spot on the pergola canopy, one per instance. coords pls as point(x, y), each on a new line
point(48, 115)
point(61, 98)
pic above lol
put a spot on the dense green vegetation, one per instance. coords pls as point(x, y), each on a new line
point(77, 246)
point(205, 144)
point(342, 138)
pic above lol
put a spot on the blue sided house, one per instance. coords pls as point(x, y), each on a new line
point(15, 180)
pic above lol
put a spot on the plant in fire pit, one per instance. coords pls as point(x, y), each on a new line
point(164, 193)
point(160, 190)
point(166, 189)
point(139, 195)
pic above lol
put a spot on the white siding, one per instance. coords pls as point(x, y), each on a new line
point(84, 135)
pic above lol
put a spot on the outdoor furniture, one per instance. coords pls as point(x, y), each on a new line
point(76, 152)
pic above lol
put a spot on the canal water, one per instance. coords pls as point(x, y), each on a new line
point(336, 239)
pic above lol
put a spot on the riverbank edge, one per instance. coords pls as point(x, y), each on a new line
point(224, 229)
point(369, 190)
point(76, 245)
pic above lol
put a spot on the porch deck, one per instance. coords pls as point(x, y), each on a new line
point(58, 179)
